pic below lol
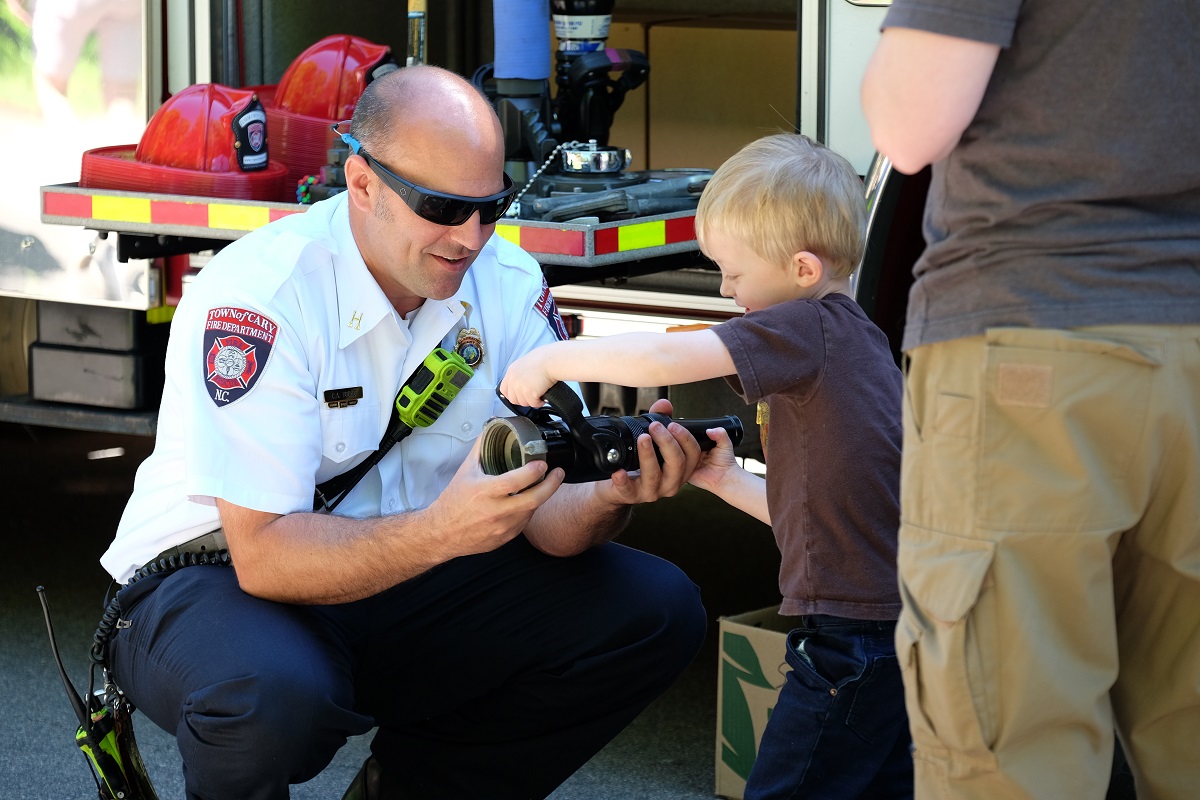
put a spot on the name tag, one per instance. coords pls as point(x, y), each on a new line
point(340, 398)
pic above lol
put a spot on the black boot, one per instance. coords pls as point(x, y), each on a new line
point(365, 785)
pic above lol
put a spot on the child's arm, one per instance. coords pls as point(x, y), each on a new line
point(719, 473)
point(626, 359)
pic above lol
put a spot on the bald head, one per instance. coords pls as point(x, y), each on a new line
point(404, 114)
point(434, 130)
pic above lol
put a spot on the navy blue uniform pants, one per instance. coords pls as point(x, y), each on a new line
point(839, 730)
point(495, 675)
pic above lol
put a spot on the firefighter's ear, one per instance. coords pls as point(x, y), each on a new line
point(360, 183)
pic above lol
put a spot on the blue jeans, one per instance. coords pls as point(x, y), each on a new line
point(839, 729)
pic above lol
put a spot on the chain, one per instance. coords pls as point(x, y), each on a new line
point(549, 160)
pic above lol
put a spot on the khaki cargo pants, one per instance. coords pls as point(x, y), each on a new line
point(1050, 562)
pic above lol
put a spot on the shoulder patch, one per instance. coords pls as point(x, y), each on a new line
point(237, 345)
point(546, 307)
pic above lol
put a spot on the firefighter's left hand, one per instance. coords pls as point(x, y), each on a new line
point(680, 452)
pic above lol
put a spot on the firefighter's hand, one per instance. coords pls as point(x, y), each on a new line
point(680, 452)
point(480, 512)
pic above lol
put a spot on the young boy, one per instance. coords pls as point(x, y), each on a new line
point(784, 219)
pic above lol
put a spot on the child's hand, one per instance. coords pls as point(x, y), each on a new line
point(527, 379)
point(716, 463)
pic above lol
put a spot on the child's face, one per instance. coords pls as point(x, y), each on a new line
point(750, 280)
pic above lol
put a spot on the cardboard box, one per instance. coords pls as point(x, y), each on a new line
point(750, 672)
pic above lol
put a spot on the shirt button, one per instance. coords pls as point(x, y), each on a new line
point(466, 427)
point(340, 446)
point(392, 504)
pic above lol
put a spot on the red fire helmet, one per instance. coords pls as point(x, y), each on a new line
point(327, 79)
point(207, 140)
point(207, 127)
point(320, 87)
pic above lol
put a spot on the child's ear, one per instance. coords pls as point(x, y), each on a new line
point(807, 269)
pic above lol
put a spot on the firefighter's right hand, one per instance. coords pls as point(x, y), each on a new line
point(481, 512)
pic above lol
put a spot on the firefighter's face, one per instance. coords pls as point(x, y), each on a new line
point(410, 256)
point(427, 259)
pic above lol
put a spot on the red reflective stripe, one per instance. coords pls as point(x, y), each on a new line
point(67, 205)
point(280, 213)
point(551, 240)
point(607, 241)
point(173, 212)
point(680, 229)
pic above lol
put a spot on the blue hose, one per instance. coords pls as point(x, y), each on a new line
point(522, 39)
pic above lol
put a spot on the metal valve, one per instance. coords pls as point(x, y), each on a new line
point(593, 157)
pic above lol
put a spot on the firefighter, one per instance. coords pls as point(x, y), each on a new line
point(493, 633)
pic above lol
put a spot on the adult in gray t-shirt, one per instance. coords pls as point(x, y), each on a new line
point(1080, 168)
point(1051, 481)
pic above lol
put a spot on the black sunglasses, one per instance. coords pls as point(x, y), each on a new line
point(441, 208)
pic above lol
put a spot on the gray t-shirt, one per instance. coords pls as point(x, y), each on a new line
point(1073, 197)
point(833, 450)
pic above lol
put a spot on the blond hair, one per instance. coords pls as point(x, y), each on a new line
point(784, 194)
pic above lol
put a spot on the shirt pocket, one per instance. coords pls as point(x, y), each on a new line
point(433, 454)
point(349, 431)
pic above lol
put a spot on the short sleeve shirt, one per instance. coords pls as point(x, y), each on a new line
point(833, 450)
point(272, 324)
point(1073, 196)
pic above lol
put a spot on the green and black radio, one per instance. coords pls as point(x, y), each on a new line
point(438, 380)
point(105, 732)
point(419, 403)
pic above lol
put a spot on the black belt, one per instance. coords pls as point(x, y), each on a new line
point(211, 543)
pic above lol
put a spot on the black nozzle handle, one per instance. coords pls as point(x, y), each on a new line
point(565, 403)
point(698, 428)
point(595, 441)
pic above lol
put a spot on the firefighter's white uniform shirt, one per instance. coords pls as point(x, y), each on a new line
point(277, 319)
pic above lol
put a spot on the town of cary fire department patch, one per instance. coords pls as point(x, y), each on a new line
point(237, 344)
point(546, 306)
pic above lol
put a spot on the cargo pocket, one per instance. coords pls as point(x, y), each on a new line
point(945, 641)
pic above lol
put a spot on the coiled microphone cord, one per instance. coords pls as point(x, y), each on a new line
point(166, 564)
